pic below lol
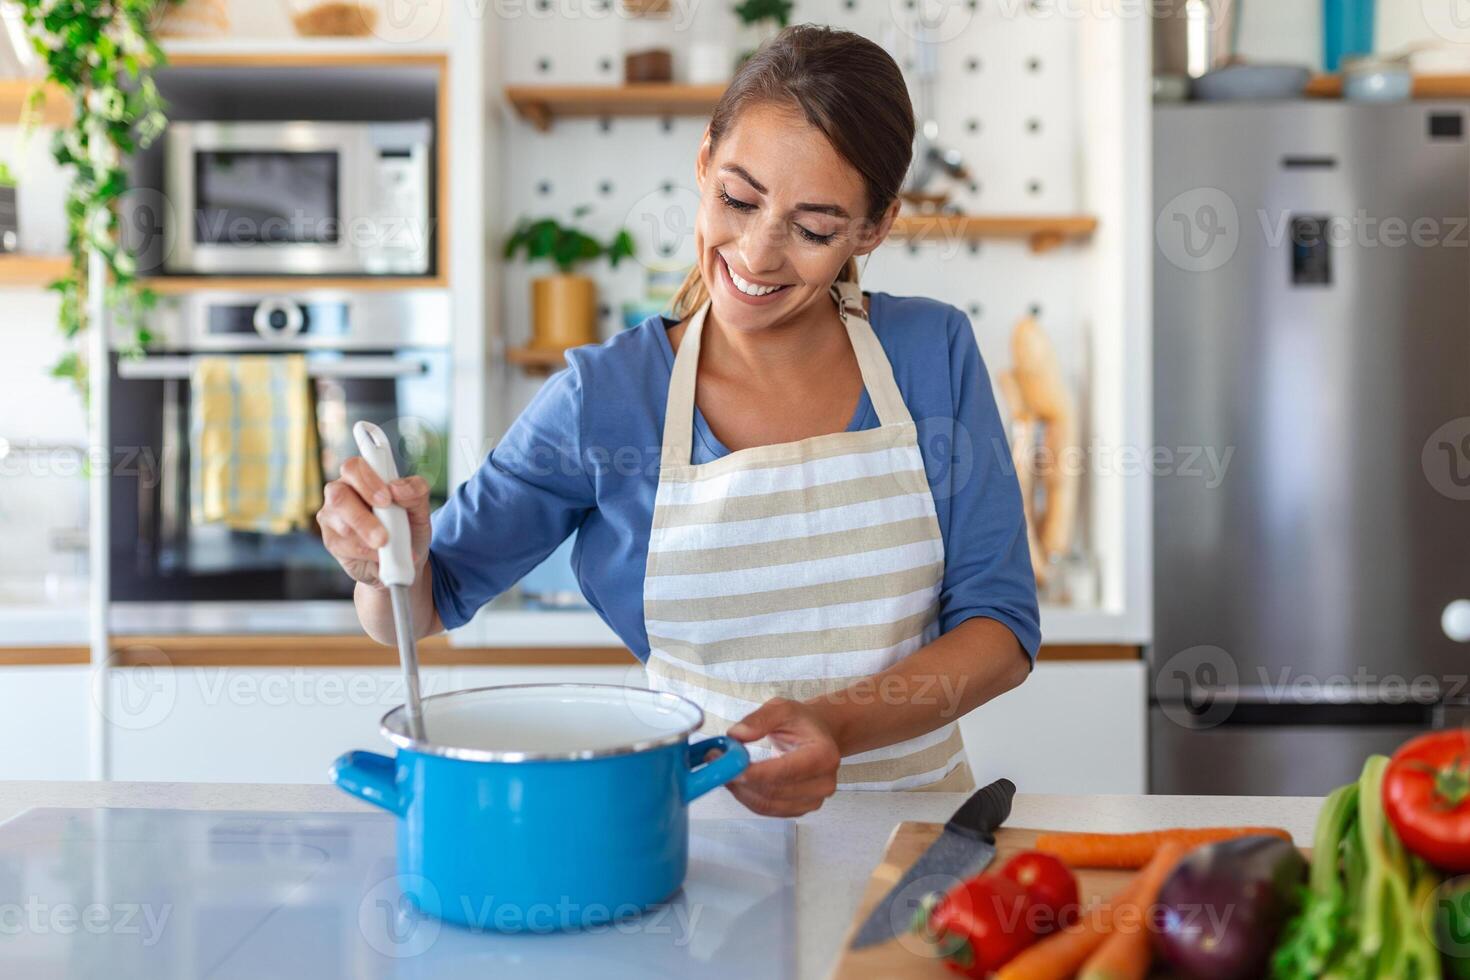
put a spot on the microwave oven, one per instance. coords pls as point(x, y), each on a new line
point(298, 198)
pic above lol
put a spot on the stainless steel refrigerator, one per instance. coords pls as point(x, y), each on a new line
point(1311, 439)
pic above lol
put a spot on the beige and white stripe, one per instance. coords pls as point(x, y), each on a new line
point(793, 570)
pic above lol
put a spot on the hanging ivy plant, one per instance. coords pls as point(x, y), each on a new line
point(100, 54)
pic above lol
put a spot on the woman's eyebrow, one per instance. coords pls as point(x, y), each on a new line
point(836, 210)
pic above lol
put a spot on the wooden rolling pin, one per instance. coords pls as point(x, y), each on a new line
point(1039, 399)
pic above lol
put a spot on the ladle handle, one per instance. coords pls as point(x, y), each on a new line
point(395, 559)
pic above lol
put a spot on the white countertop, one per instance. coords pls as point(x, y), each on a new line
point(837, 847)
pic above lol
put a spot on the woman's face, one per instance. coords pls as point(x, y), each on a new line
point(779, 213)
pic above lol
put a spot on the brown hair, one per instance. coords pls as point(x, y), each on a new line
point(847, 87)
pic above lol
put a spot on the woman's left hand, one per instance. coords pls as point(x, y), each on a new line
point(805, 773)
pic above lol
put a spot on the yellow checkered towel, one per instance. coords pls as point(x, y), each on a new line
point(253, 441)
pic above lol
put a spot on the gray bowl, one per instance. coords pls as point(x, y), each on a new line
point(1252, 83)
point(1377, 81)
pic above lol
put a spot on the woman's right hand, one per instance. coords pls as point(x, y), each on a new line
point(353, 534)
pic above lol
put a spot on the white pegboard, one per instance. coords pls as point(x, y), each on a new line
point(1005, 91)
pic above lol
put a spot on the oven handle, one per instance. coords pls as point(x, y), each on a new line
point(182, 366)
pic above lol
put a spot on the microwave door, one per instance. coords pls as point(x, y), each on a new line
point(264, 198)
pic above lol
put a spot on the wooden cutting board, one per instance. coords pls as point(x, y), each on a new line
point(908, 957)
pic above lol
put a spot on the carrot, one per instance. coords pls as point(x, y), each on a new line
point(1086, 850)
point(1127, 952)
point(1060, 955)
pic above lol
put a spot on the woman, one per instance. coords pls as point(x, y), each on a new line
point(756, 516)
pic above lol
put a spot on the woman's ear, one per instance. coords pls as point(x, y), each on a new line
point(874, 233)
point(701, 159)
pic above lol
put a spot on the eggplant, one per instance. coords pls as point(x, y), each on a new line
point(1220, 911)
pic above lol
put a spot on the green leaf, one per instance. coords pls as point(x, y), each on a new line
point(99, 52)
point(565, 246)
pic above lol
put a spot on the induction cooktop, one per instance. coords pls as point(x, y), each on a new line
point(217, 895)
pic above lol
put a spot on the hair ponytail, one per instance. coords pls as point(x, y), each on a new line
point(847, 87)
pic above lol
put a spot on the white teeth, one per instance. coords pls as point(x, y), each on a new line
point(746, 286)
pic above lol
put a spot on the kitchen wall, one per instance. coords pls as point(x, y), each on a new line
point(42, 493)
point(1006, 85)
point(1290, 31)
point(1005, 89)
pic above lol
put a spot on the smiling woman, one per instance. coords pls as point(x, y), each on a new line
point(792, 498)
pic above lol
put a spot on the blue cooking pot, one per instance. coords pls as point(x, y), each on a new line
point(539, 807)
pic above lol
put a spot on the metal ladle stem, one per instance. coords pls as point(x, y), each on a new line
point(395, 570)
point(408, 657)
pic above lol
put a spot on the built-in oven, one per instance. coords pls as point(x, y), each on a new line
point(298, 198)
point(381, 356)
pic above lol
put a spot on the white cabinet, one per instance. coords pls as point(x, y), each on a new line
point(274, 725)
point(1072, 727)
point(44, 717)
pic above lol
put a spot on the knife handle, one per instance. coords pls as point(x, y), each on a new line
point(984, 812)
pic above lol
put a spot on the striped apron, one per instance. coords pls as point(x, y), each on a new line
point(795, 569)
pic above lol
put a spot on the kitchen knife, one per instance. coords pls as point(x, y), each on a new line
point(395, 569)
point(965, 848)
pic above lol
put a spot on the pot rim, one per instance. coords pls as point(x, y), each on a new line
point(404, 741)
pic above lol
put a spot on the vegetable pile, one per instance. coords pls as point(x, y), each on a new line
point(1370, 904)
point(1024, 922)
point(1378, 899)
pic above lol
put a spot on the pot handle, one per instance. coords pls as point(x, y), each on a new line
point(369, 776)
point(701, 778)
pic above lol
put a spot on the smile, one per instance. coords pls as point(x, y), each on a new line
point(744, 288)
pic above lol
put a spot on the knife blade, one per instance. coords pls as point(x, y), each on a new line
point(965, 848)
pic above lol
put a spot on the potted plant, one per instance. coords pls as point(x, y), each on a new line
point(760, 21)
point(100, 54)
point(564, 306)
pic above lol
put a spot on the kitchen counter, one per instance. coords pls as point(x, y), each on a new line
point(837, 847)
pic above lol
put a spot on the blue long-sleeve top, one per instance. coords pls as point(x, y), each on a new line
point(584, 456)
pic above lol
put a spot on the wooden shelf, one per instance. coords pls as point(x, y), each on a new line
point(173, 285)
point(1043, 233)
point(55, 110)
point(540, 105)
point(1425, 87)
point(31, 270)
point(201, 49)
point(536, 360)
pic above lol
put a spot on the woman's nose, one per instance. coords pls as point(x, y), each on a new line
point(763, 246)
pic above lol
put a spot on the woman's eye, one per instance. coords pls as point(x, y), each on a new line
point(812, 236)
point(731, 202)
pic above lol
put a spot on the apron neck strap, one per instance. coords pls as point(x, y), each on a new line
point(877, 371)
point(877, 374)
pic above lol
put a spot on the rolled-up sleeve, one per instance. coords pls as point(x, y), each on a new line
point(532, 491)
point(987, 558)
